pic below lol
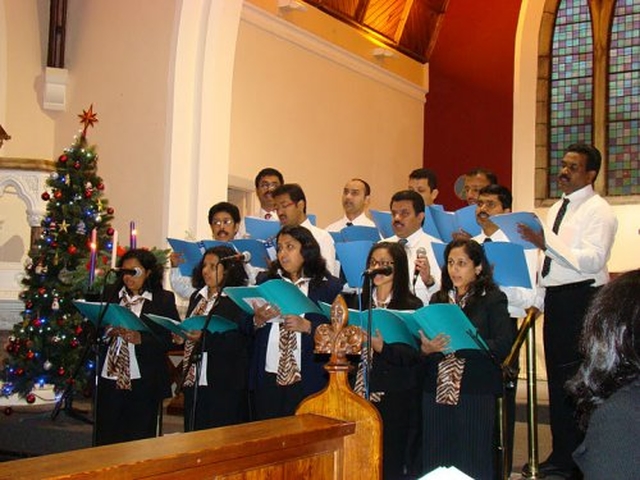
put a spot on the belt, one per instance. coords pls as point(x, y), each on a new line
point(571, 286)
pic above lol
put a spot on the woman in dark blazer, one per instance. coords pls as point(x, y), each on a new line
point(222, 397)
point(134, 376)
point(461, 432)
point(393, 380)
point(277, 394)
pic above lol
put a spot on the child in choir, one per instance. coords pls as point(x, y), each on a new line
point(222, 397)
point(460, 388)
point(134, 378)
point(284, 369)
point(393, 380)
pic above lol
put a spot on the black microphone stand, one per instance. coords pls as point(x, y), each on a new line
point(198, 351)
point(368, 353)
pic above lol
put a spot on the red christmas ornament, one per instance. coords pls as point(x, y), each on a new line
point(110, 231)
point(100, 186)
point(37, 322)
point(110, 210)
point(20, 371)
point(61, 371)
point(63, 158)
point(30, 355)
point(9, 348)
point(28, 305)
point(8, 411)
point(42, 290)
point(88, 193)
point(45, 196)
point(74, 343)
point(72, 249)
point(30, 398)
point(78, 330)
point(76, 165)
point(57, 194)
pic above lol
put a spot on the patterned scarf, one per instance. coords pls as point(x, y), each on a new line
point(190, 377)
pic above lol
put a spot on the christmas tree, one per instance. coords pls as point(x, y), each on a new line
point(75, 243)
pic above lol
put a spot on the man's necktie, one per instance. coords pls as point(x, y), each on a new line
point(349, 224)
point(403, 242)
point(487, 240)
point(267, 216)
point(546, 265)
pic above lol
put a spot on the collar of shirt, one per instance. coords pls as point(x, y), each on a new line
point(204, 293)
point(124, 294)
point(579, 196)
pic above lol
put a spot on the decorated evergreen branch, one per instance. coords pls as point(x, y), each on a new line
point(46, 345)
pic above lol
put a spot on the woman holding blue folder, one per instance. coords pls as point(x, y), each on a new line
point(393, 380)
point(134, 374)
point(222, 397)
point(284, 369)
point(461, 388)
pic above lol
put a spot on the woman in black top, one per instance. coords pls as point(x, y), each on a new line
point(222, 397)
point(460, 431)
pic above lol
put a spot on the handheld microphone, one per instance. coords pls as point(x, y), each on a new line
point(421, 252)
point(244, 257)
point(134, 272)
point(372, 272)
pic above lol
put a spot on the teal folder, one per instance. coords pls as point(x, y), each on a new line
point(116, 315)
point(217, 324)
point(286, 296)
point(391, 326)
point(447, 319)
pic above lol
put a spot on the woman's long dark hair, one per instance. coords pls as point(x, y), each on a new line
point(401, 296)
point(483, 283)
point(149, 262)
point(314, 265)
point(610, 343)
point(235, 273)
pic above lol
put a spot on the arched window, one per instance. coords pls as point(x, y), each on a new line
point(589, 91)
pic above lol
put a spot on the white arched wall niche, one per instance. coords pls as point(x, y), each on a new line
point(200, 123)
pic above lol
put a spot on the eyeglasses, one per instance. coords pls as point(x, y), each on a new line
point(490, 204)
point(373, 263)
point(226, 222)
point(268, 185)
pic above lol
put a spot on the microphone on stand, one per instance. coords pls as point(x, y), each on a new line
point(372, 272)
point(134, 272)
point(420, 253)
point(244, 257)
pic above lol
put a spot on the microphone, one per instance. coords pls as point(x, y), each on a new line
point(421, 252)
point(372, 272)
point(134, 272)
point(244, 257)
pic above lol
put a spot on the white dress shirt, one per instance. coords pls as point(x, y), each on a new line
point(327, 246)
point(520, 298)
point(582, 247)
point(361, 220)
point(414, 241)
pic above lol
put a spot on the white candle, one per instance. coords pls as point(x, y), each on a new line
point(114, 249)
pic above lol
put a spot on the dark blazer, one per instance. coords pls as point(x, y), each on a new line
point(482, 373)
point(228, 357)
point(314, 377)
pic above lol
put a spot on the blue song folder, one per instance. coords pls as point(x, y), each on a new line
point(383, 223)
point(116, 315)
point(353, 260)
point(448, 223)
point(508, 223)
point(391, 326)
point(217, 324)
point(191, 253)
point(261, 229)
point(447, 319)
point(507, 260)
point(286, 296)
point(257, 249)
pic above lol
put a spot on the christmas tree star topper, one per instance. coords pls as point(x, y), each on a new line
point(88, 118)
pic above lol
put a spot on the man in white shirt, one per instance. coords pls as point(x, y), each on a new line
point(495, 200)
point(291, 205)
point(576, 241)
point(425, 182)
point(407, 217)
point(356, 196)
point(266, 181)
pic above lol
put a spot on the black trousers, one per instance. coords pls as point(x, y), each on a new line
point(274, 401)
point(564, 311)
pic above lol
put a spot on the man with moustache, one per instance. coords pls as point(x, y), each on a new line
point(291, 205)
point(495, 200)
point(576, 242)
point(425, 182)
point(356, 196)
point(407, 216)
point(266, 181)
point(224, 221)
